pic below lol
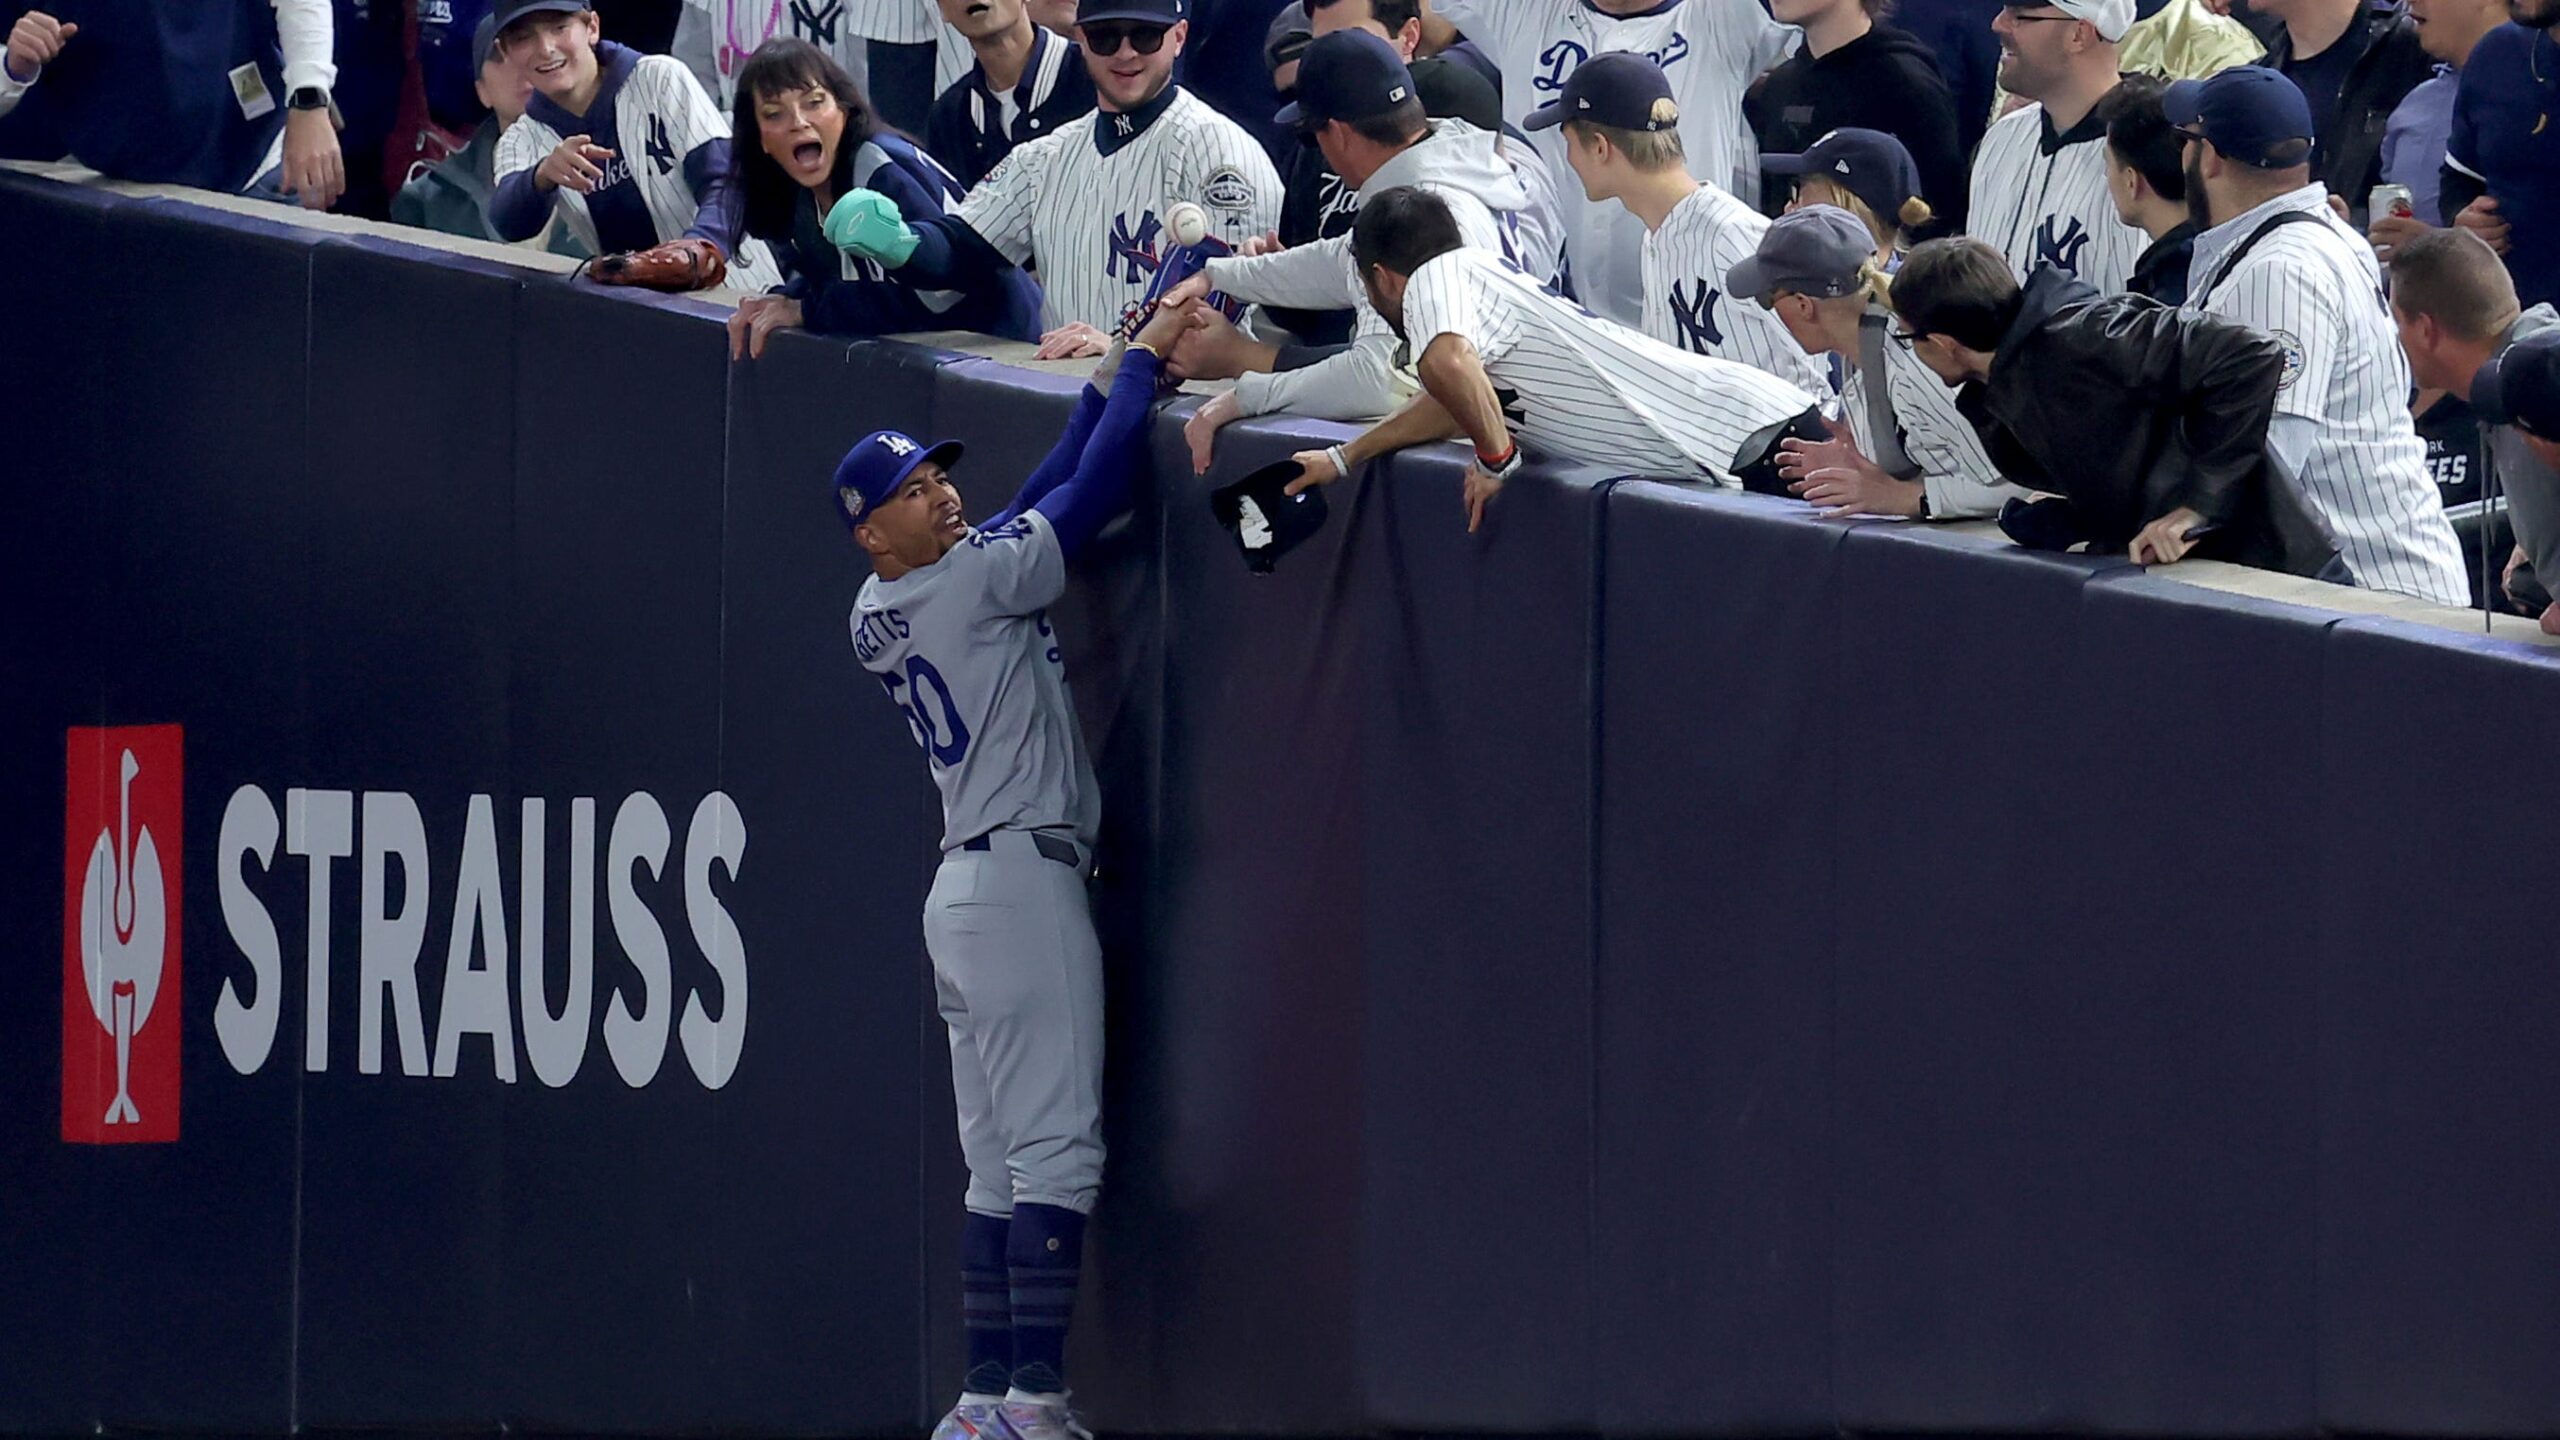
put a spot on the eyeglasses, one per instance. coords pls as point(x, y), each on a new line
point(1106, 39)
point(1900, 336)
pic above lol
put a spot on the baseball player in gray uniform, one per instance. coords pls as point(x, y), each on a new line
point(2276, 258)
point(2039, 191)
point(1089, 206)
point(1498, 355)
point(954, 623)
point(1622, 135)
point(1711, 49)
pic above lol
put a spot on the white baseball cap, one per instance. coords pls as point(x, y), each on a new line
point(2111, 17)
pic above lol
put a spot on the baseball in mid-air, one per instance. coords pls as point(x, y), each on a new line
point(1189, 223)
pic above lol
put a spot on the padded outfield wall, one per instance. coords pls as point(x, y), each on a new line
point(1663, 965)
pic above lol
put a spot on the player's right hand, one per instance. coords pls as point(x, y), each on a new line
point(2481, 218)
point(34, 42)
point(574, 164)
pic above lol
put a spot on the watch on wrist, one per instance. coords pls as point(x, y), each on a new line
point(1508, 466)
point(314, 97)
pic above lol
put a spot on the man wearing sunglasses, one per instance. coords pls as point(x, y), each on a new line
point(1088, 206)
point(2040, 194)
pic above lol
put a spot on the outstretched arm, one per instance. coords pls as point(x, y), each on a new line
point(1060, 465)
point(1114, 451)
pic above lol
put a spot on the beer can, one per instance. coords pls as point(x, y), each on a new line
point(2391, 200)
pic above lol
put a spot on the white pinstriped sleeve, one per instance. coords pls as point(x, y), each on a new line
point(1955, 471)
point(1226, 171)
point(523, 146)
point(1002, 207)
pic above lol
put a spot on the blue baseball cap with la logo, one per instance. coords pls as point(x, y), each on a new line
point(878, 464)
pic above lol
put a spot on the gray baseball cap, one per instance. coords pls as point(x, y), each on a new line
point(1813, 250)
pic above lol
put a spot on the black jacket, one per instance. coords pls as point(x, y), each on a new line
point(1883, 80)
point(2389, 64)
point(2161, 272)
point(2181, 403)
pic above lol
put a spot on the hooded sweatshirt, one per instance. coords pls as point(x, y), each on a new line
point(1456, 161)
point(1883, 80)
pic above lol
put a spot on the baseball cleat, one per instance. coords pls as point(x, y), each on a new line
point(1038, 1420)
point(974, 1420)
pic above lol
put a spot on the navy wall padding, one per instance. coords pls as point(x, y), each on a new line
point(1713, 1182)
point(2439, 1143)
point(1663, 964)
point(1477, 822)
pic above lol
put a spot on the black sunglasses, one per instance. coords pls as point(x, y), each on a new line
point(1106, 39)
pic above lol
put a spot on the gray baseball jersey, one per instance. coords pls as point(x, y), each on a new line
point(2042, 199)
point(1685, 301)
point(1591, 390)
point(963, 646)
point(1087, 205)
point(1710, 51)
point(2317, 289)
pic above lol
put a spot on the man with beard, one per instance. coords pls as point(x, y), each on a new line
point(2040, 192)
point(2276, 257)
point(2502, 164)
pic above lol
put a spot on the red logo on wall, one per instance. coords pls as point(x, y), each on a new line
point(120, 934)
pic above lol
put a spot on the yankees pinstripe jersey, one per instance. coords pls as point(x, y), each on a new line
point(2042, 199)
point(736, 27)
point(1685, 301)
point(909, 22)
point(670, 155)
point(1578, 387)
point(2316, 288)
point(1934, 437)
point(1710, 51)
point(1087, 205)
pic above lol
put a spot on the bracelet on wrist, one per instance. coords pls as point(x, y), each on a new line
point(1341, 461)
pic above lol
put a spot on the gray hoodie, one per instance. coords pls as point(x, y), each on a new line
point(1495, 211)
point(2533, 491)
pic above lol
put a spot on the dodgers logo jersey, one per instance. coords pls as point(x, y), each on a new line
point(2042, 199)
point(668, 142)
point(1710, 51)
point(1687, 305)
point(2317, 289)
point(1086, 206)
point(965, 650)
point(1580, 387)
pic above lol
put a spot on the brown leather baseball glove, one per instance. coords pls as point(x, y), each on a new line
point(678, 265)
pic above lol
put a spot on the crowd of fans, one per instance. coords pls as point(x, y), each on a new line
point(2265, 280)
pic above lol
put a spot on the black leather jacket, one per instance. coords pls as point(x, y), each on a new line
point(2128, 409)
point(2389, 64)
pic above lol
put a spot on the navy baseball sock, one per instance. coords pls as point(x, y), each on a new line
point(986, 1305)
point(1043, 1255)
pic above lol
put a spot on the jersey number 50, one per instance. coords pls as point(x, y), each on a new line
point(934, 718)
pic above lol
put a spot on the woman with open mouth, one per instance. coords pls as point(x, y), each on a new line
point(816, 138)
